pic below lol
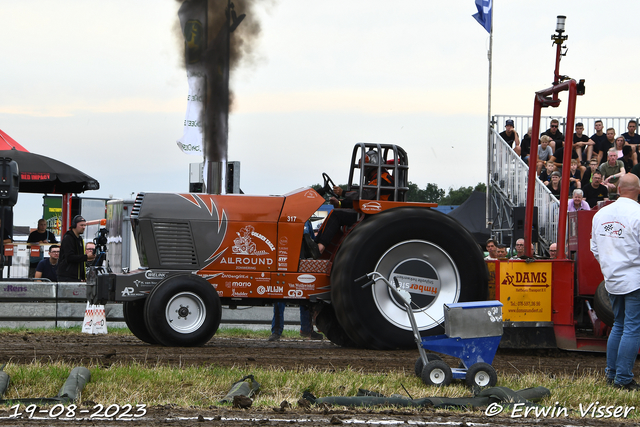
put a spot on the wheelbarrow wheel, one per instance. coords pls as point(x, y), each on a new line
point(420, 366)
point(437, 373)
point(481, 375)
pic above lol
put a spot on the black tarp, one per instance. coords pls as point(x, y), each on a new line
point(472, 215)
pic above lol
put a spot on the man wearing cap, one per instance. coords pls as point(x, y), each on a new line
point(511, 136)
point(72, 256)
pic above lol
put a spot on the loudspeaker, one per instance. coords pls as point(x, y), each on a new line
point(9, 181)
point(518, 224)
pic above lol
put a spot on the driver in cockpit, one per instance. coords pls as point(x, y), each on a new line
point(345, 214)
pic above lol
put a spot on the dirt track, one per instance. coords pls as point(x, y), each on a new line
point(83, 350)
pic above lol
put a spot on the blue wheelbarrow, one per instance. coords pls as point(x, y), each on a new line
point(473, 331)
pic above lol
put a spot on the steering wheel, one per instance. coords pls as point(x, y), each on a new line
point(329, 188)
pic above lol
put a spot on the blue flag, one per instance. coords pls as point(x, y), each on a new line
point(484, 14)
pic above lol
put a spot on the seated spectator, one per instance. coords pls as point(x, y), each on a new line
point(582, 144)
point(544, 153)
point(554, 185)
point(545, 176)
point(558, 157)
point(627, 158)
point(578, 203)
point(618, 146)
point(553, 250)
point(525, 146)
point(612, 170)
point(595, 191)
point(39, 236)
point(557, 138)
point(511, 136)
point(492, 249)
point(501, 252)
point(586, 176)
point(48, 267)
point(575, 176)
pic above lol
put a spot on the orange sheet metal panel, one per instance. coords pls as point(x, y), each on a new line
point(377, 206)
point(269, 285)
point(298, 208)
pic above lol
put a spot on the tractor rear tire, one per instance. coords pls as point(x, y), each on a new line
point(434, 257)
point(133, 312)
point(183, 311)
point(602, 305)
point(328, 324)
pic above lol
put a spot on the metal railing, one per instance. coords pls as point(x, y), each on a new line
point(523, 123)
point(508, 178)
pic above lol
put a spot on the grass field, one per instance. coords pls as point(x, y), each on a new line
point(204, 386)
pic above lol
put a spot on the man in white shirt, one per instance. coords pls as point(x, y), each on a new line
point(615, 243)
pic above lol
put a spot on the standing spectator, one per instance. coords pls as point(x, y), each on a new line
point(578, 203)
point(557, 137)
point(525, 146)
point(595, 191)
point(631, 137)
point(615, 243)
point(553, 250)
point(306, 324)
point(72, 256)
point(554, 185)
point(277, 322)
point(39, 236)
point(511, 136)
point(48, 267)
point(600, 141)
point(612, 170)
point(582, 144)
point(492, 248)
point(544, 152)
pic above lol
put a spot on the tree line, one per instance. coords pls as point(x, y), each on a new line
point(433, 194)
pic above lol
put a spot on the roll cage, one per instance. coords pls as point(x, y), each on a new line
point(392, 159)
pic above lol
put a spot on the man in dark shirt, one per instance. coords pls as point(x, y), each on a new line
point(72, 255)
point(600, 141)
point(582, 144)
point(39, 236)
point(553, 133)
point(631, 137)
point(511, 137)
point(595, 192)
point(48, 267)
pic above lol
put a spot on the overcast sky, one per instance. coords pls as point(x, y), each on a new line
point(100, 85)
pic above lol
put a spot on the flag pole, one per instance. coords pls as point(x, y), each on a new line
point(489, 222)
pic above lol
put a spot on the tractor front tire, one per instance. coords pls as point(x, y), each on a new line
point(602, 305)
point(133, 312)
point(183, 311)
point(433, 257)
